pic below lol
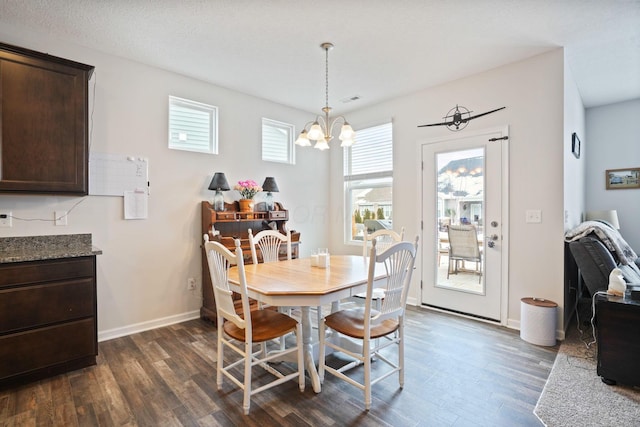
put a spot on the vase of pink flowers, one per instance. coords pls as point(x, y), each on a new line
point(247, 190)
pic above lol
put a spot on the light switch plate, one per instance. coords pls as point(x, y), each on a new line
point(533, 216)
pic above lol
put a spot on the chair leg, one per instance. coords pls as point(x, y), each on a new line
point(219, 366)
point(321, 350)
point(319, 320)
point(401, 352)
point(247, 378)
point(366, 352)
point(300, 356)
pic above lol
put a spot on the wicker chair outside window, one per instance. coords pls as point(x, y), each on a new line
point(375, 328)
point(464, 246)
point(239, 334)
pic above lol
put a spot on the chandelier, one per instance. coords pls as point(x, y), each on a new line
point(321, 127)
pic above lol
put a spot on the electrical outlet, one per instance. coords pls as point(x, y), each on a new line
point(5, 219)
point(191, 284)
point(60, 217)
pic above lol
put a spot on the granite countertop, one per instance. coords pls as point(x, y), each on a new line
point(37, 248)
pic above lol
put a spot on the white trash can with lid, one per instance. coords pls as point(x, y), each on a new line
point(538, 319)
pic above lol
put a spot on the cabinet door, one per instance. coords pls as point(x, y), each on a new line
point(43, 141)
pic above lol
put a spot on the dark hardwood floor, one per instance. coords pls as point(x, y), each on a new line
point(458, 373)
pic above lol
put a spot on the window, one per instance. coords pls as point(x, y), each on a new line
point(193, 126)
point(368, 182)
point(277, 141)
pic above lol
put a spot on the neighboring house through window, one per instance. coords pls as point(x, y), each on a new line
point(193, 126)
point(368, 182)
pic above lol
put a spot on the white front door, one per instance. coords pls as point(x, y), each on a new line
point(463, 191)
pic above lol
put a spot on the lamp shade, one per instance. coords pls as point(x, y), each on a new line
point(270, 185)
point(219, 182)
point(608, 216)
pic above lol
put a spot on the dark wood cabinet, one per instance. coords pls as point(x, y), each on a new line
point(48, 318)
point(232, 224)
point(618, 333)
point(43, 122)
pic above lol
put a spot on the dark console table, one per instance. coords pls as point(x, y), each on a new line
point(618, 333)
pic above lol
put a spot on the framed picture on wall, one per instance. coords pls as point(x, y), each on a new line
point(623, 178)
point(575, 145)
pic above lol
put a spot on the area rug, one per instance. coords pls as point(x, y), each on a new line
point(574, 394)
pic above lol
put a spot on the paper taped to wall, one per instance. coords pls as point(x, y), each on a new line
point(136, 204)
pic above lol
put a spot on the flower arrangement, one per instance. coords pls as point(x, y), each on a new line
point(248, 188)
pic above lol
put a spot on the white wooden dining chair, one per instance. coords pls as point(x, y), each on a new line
point(239, 332)
point(384, 239)
point(375, 328)
point(269, 243)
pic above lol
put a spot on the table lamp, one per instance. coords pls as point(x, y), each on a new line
point(610, 217)
point(270, 186)
point(219, 184)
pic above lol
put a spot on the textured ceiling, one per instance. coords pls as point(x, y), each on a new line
point(383, 48)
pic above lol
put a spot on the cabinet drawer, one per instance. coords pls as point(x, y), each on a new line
point(35, 305)
point(278, 215)
point(226, 215)
point(30, 350)
point(23, 273)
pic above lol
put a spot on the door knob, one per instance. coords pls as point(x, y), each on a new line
point(493, 237)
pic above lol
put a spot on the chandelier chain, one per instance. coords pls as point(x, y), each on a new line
point(326, 77)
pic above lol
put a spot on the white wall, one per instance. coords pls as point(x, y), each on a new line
point(613, 142)
point(574, 169)
point(532, 91)
point(143, 271)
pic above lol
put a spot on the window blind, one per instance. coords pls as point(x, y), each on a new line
point(277, 141)
point(192, 126)
point(372, 154)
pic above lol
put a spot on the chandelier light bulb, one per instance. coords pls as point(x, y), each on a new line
point(315, 133)
point(346, 143)
point(303, 140)
point(321, 144)
point(346, 132)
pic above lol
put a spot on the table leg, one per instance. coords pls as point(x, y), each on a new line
point(308, 349)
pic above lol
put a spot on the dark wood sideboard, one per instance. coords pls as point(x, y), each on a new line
point(231, 224)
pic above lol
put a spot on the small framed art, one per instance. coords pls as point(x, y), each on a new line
point(623, 178)
point(575, 145)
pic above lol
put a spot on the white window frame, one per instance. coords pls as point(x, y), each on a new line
point(374, 178)
point(285, 147)
point(178, 137)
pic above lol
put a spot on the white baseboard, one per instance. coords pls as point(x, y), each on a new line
point(146, 326)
